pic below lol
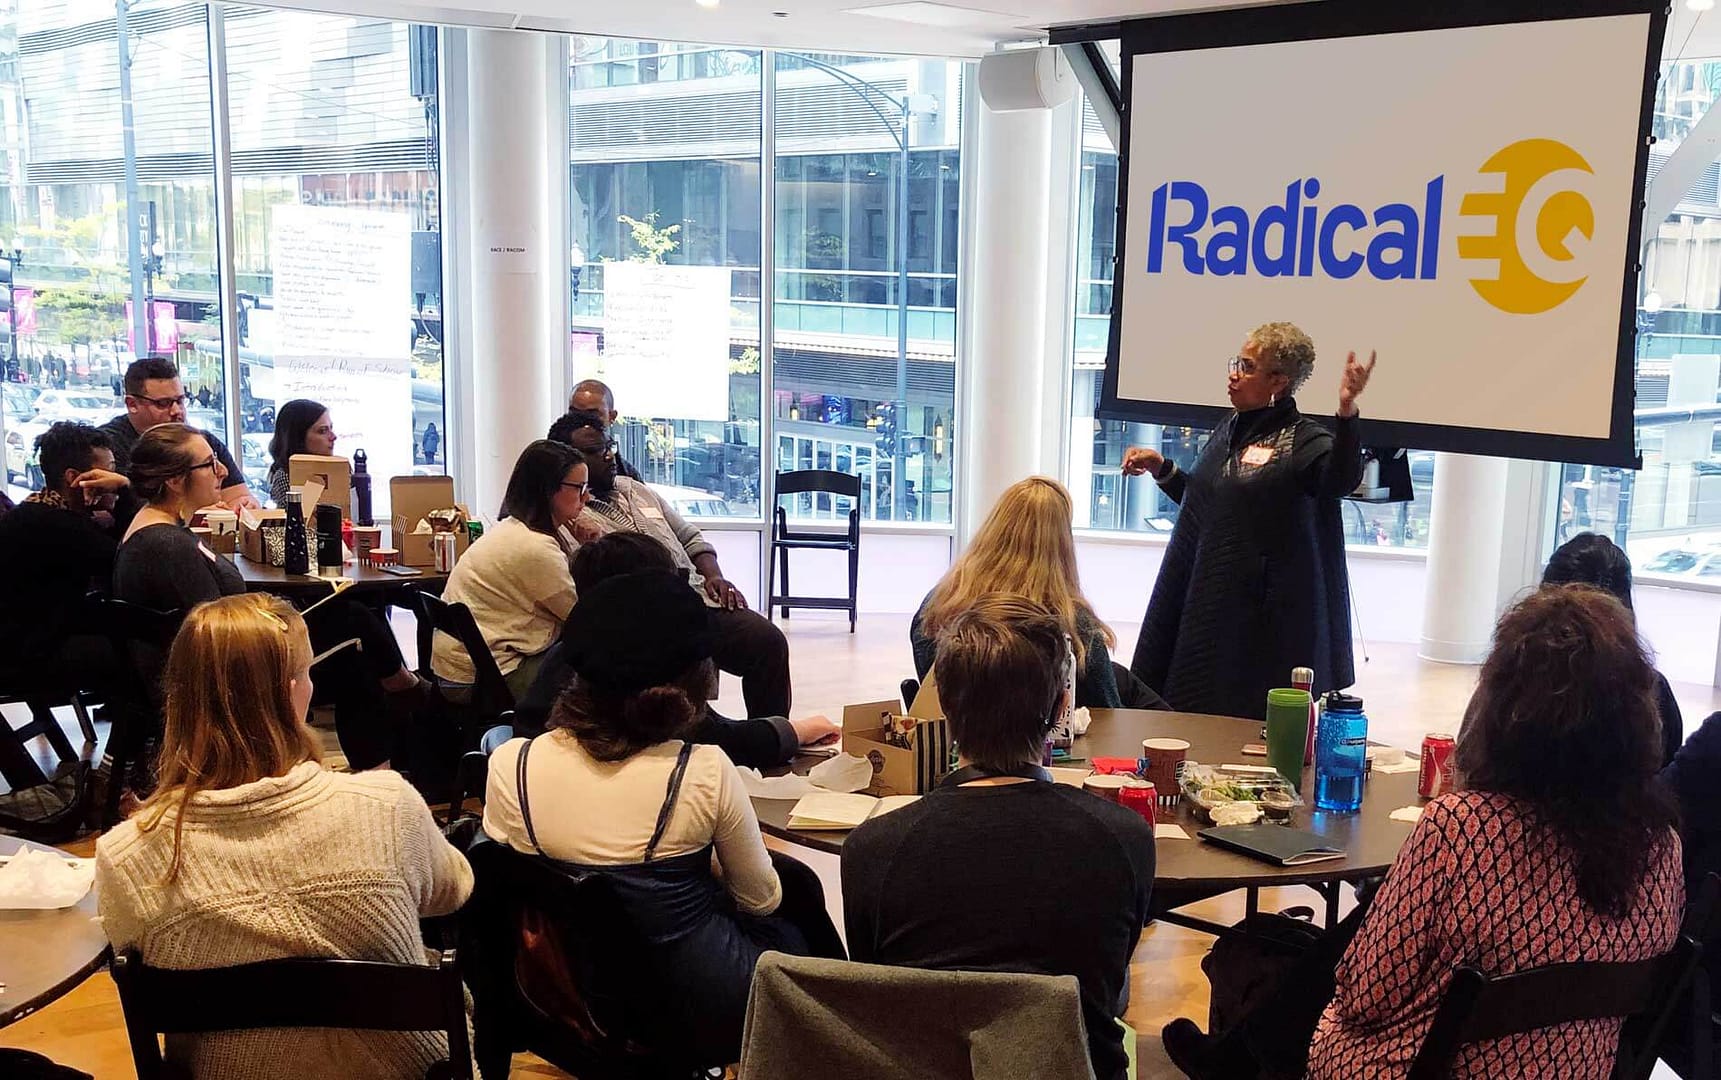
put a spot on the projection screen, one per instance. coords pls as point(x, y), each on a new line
point(1457, 190)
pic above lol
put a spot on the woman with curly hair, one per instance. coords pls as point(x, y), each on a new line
point(1558, 847)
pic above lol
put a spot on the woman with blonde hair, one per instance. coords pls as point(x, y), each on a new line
point(1025, 547)
point(250, 850)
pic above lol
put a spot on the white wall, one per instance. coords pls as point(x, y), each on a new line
point(1118, 577)
point(1681, 626)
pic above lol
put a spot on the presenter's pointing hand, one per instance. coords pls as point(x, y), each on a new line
point(1353, 382)
point(1142, 459)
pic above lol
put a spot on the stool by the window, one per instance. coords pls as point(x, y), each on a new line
point(783, 539)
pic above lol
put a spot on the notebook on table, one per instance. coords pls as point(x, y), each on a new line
point(1276, 844)
point(832, 810)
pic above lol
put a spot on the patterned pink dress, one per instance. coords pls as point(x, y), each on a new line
point(1480, 883)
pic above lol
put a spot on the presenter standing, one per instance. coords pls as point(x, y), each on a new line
point(1253, 582)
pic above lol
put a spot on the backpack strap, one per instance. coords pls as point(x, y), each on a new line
point(520, 792)
point(669, 799)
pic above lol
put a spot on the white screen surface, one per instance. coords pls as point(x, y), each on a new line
point(1527, 130)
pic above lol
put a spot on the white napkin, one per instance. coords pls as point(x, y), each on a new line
point(43, 880)
point(1406, 765)
point(1410, 815)
point(843, 773)
point(1079, 721)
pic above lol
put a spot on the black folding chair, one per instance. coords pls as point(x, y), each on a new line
point(42, 688)
point(140, 638)
point(1478, 1008)
point(594, 1011)
point(467, 713)
point(296, 992)
point(784, 539)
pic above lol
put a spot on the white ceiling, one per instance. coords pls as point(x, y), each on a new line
point(924, 27)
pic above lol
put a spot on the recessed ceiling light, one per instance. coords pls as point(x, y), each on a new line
point(706, 3)
point(785, 14)
point(1699, 5)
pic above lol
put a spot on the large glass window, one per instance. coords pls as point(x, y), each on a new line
point(1668, 515)
point(337, 233)
point(108, 217)
point(665, 178)
point(867, 239)
point(107, 224)
point(1104, 497)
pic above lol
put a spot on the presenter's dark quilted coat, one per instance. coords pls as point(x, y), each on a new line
point(1253, 582)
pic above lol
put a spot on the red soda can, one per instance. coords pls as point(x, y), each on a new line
point(1139, 796)
point(1436, 777)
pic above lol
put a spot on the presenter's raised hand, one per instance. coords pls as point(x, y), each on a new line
point(1142, 459)
point(1353, 382)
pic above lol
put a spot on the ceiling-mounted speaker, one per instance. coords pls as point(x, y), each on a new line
point(1026, 79)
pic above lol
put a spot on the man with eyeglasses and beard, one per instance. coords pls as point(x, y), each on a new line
point(745, 643)
point(154, 395)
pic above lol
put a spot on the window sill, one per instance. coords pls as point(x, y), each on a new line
point(1146, 539)
point(833, 528)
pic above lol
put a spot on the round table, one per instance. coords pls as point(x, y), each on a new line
point(1186, 870)
point(45, 954)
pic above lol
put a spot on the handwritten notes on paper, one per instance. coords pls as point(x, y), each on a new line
point(666, 340)
point(343, 295)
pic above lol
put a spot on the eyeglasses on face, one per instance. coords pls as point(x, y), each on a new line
point(210, 465)
point(164, 402)
point(582, 487)
point(1241, 365)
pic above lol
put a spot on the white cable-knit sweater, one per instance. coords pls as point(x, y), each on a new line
point(312, 863)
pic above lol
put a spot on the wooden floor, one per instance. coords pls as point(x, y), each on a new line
point(1404, 697)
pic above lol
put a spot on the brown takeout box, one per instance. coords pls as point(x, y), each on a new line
point(251, 540)
point(410, 499)
point(334, 473)
point(898, 770)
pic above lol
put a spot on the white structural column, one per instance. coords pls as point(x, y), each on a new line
point(516, 272)
point(1005, 436)
point(1463, 587)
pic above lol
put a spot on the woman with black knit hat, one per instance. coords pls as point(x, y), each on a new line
point(613, 787)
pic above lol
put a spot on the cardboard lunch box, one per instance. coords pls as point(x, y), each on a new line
point(898, 770)
point(411, 498)
point(334, 473)
point(251, 536)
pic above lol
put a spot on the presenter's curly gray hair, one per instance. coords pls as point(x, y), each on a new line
point(1289, 349)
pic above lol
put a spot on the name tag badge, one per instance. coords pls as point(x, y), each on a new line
point(1258, 455)
point(651, 512)
point(207, 554)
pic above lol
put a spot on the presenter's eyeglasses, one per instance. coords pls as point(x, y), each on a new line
point(1241, 365)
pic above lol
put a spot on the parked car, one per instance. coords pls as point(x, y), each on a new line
point(21, 451)
point(88, 406)
point(1688, 560)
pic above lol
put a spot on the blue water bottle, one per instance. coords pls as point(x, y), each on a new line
point(1341, 755)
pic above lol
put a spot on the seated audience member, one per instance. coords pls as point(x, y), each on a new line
point(759, 743)
point(154, 395)
point(162, 566)
point(1025, 547)
point(56, 547)
point(1000, 869)
point(515, 578)
point(1593, 559)
point(744, 642)
point(592, 396)
point(613, 787)
point(1694, 778)
point(301, 427)
point(250, 850)
point(1559, 847)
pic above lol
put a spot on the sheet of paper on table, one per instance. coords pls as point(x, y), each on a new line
point(1167, 830)
point(1410, 815)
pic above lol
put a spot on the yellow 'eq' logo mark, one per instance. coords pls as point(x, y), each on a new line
point(1534, 218)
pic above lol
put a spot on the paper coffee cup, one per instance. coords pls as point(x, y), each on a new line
point(1163, 758)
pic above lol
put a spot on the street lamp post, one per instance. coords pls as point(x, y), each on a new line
point(155, 256)
point(905, 106)
point(140, 317)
